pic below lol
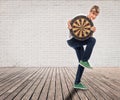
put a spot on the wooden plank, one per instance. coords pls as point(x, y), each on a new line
point(9, 77)
point(28, 90)
point(65, 91)
point(22, 83)
point(4, 71)
point(57, 84)
point(98, 90)
point(72, 92)
point(51, 93)
point(87, 93)
point(96, 87)
point(109, 72)
point(5, 87)
point(58, 94)
point(40, 87)
point(110, 77)
point(10, 70)
point(44, 93)
point(107, 89)
point(90, 87)
point(9, 74)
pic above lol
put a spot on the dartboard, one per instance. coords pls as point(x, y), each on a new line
point(81, 27)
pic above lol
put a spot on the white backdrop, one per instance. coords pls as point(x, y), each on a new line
point(33, 33)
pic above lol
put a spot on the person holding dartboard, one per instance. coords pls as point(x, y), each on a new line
point(81, 32)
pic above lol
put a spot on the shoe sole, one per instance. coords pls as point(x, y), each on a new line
point(85, 66)
point(80, 88)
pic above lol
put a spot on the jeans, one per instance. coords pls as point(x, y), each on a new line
point(82, 54)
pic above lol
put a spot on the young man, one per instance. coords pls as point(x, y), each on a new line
point(83, 55)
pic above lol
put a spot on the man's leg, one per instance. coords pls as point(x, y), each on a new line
point(79, 52)
point(89, 48)
point(78, 46)
point(88, 51)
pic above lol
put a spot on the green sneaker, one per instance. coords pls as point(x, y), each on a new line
point(80, 86)
point(85, 64)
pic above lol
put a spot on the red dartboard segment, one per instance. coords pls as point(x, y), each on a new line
point(81, 26)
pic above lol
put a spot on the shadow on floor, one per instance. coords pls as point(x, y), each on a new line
point(71, 94)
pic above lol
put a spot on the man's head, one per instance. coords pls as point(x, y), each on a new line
point(93, 13)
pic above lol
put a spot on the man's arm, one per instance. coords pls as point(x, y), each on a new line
point(69, 25)
point(93, 29)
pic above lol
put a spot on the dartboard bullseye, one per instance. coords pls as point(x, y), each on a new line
point(81, 26)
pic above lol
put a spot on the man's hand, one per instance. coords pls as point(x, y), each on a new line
point(93, 29)
point(69, 25)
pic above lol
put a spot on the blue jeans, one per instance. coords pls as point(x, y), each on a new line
point(82, 54)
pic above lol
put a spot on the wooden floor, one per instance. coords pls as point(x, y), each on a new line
point(57, 84)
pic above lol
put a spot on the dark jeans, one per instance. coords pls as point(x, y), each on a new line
point(82, 54)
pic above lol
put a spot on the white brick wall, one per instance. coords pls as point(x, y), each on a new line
point(34, 32)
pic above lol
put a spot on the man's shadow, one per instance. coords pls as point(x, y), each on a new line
point(71, 94)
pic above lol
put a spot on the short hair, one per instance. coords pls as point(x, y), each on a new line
point(95, 9)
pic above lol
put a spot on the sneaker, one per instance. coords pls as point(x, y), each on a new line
point(85, 64)
point(80, 86)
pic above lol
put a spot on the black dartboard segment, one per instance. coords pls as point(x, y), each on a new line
point(81, 26)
